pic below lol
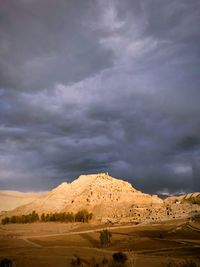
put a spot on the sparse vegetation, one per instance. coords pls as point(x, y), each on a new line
point(196, 217)
point(187, 263)
point(105, 237)
point(81, 216)
point(119, 258)
point(190, 263)
point(161, 236)
point(6, 263)
point(132, 258)
point(76, 261)
point(104, 261)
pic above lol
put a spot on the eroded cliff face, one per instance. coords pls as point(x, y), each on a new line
point(108, 198)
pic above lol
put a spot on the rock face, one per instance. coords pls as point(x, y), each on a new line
point(108, 198)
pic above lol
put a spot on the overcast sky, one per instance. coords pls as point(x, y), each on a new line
point(91, 86)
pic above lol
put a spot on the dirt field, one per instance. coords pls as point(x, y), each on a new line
point(54, 244)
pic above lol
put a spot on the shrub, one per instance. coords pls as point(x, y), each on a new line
point(161, 236)
point(93, 263)
point(76, 261)
point(187, 263)
point(104, 261)
point(119, 258)
point(6, 262)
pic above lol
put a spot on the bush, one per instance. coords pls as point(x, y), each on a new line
point(6, 263)
point(187, 263)
point(93, 263)
point(161, 236)
point(120, 258)
point(104, 261)
point(76, 261)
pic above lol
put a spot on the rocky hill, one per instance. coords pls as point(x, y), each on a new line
point(91, 192)
point(108, 198)
point(193, 198)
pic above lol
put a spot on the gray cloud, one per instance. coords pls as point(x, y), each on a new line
point(45, 43)
point(96, 86)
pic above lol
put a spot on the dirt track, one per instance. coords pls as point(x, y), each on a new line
point(35, 244)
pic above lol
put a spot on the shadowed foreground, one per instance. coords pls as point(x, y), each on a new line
point(55, 244)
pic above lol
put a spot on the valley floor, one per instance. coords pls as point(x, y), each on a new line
point(54, 244)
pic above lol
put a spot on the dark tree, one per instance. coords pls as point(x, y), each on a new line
point(5, 220)
point(83, 216)
point(119, 258)
point(105, 237)
point(6, 262)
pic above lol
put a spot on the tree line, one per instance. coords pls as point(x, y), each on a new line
point(80, 216)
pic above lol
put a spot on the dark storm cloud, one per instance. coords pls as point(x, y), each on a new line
point(89, 86)
point(189, 142)
point(48, 42)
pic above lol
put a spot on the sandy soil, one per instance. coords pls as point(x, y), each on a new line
point(54, 244)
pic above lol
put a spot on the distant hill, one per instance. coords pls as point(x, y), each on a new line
point(191, 198)
point(9, 200)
